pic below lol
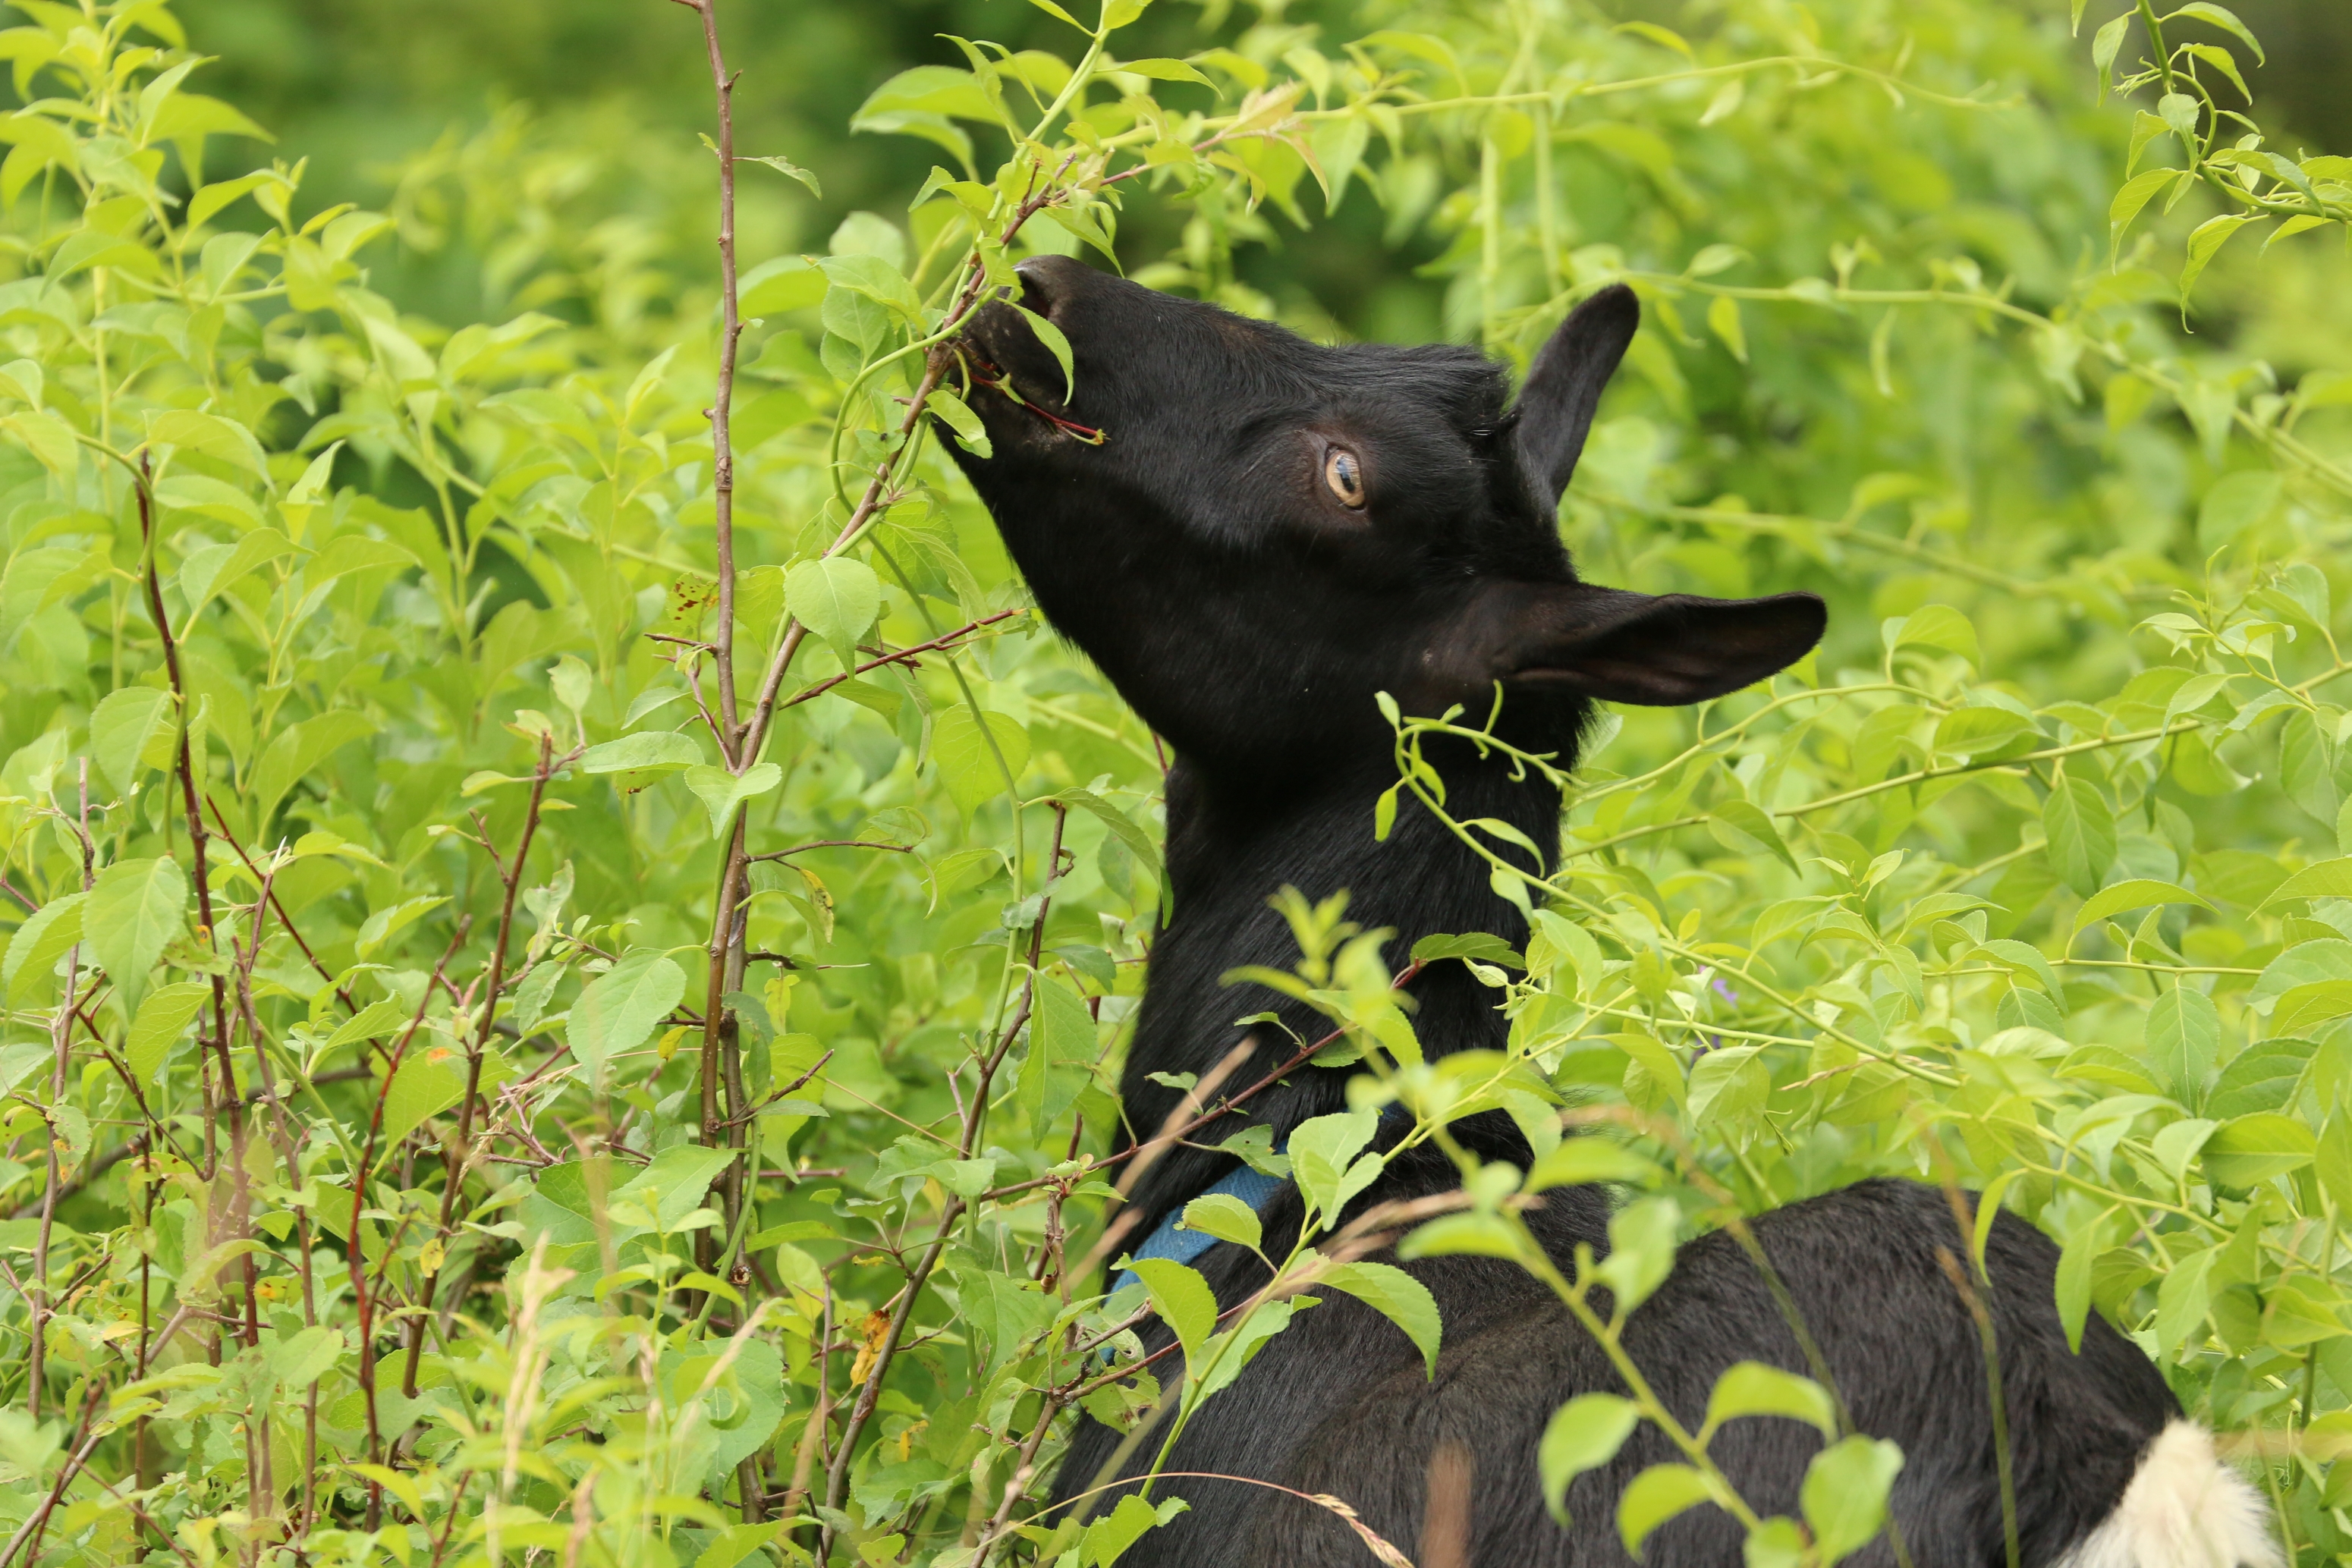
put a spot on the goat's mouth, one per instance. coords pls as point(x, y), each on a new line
point(998, 350)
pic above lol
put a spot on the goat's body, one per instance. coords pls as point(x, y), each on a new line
point(1252, 606)
point(1340, 1403)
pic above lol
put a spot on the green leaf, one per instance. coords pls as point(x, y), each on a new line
point(1844, 1493)
point(431, 1079)
point(130, 731)
point(1752, 1388)
point(2080, 831)
point(953, 411)
point(2234, 504)
point(1583, 1435)
point(2179, 110)
point(2262, 1077)
point(215, 437)
point(784, 283)
point(1750, 826)
point(1050, 335)
point(873, 277)
point(1589, 1159)
point(1967, 731)
point(673, 1186)
point(1225, 1217)
point(835, 596)
point(2075, 1260)
point(2181, 1299)
point(1723, 320)
point(1006, 1311)
point(2227, 20)
point(383, 1017)
point(2334, 1158)
point(297, 753)
point(1396, 1296)
point(722, 792)
point(40, 942)
point(973, 766)
point(1729, 1086)
point(305, 1356)
point(751, 1394)
point(2137, 193)
point(2205, 243)
point(1062, 1052)
point(1122, 827)
point(789, 169)
point(348, 553)
point(1641, 1251)
point(620, 1007)
point(1654, 1497)
point(645, 751)
point(731, 1546)
point(210, 199)
point(1163, 70)
point(2326, 879)
point(1326, 1162)
point(1483, 946)
point(2184, 1038)
point(2306, 1009)
point(1453, 1235)
point(1181, 1297)
point(163, 1018)
point(2255, 1148)
point(1107, 1537)
point(383, 925)
point(207, 572)
point(135, 909)
point(1936, 626)
point(2136, 892)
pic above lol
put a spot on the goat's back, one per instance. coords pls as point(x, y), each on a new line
point(1329, 1411)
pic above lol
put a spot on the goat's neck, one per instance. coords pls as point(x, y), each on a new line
point(1231, 849)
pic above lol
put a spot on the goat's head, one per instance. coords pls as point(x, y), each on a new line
point(1272, 530)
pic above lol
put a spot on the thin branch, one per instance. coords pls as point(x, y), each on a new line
point(722, 397)
point(945, 641)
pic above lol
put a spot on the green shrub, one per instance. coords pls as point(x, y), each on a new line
point(562, 1011)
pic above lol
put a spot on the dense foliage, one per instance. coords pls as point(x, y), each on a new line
point(570, 931)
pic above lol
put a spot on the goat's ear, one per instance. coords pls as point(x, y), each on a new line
point(1659, 652)
point(1555, 408)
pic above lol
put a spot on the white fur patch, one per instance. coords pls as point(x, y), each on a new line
point(2184, 1509)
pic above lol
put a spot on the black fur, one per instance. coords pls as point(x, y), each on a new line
point(1200, 557)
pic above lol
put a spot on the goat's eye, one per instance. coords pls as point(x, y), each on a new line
point(1345, 475)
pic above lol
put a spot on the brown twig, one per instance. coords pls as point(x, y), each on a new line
point(945, 642)
point(362, 1301)
point(28, 1534)
point(722, 397)
point(819, 844)
point(183, 766)
point(285, 921)
point(459, 1154)
point(1159, 1141)
point(62, 1048)
point(974, 1119)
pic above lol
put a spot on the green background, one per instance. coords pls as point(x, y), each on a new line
point(356, 85)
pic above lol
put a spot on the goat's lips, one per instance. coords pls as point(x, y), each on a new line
point(1013, 354)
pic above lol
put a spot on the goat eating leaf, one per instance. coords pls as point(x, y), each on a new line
point(1261, 540)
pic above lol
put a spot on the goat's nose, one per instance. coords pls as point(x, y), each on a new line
point(1044, 281)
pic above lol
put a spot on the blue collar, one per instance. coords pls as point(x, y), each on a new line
point(1253, 1188)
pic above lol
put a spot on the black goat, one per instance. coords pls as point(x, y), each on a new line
point(1274, 532)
